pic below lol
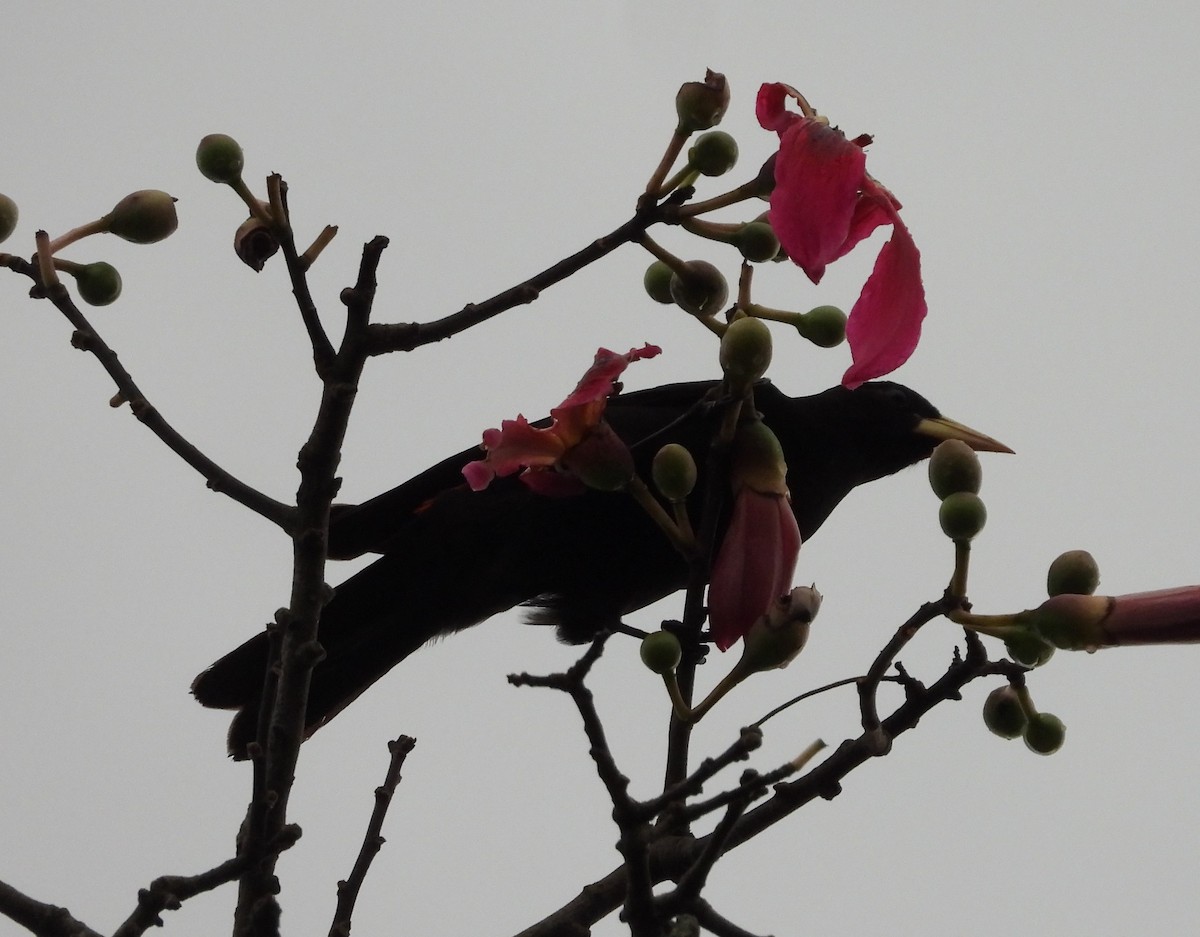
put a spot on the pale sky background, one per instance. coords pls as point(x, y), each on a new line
point(1045, 156)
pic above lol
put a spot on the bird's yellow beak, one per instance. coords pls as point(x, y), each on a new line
point(943, 428)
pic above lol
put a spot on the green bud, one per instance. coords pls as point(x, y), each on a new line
point(1073, 622)
point(661, 651)
point(674, 472)
point(954, 467)
point(1045, 733)
point(1003, 713)
point(99, 284)
point(657, 282)
point(757, 242)
point(714, 153)
point(824, 326)
point(219, 158)
point(8, 216)
point(1074, 572)
point(701, 104)
point(700, 290)
point(1028, 649)
point(962, 515)
point(778, 636)
point(143, 217)
point(745, 352)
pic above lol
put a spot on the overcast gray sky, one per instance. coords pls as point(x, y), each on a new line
point(1044, 154)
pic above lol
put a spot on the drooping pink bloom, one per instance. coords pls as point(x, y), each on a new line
point(757, 557)
point(754, 566)
point(824, 203)
point(577, 438)
point(1087, 622)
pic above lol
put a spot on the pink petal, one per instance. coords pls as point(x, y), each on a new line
point(818, 174)
point(512, 447)
point(772, 114)
point(885, 324)
point(597, 383)
point(754, 565)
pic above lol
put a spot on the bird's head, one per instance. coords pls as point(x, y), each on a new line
point(838, 439)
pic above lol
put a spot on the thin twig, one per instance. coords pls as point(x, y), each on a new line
point(373, 839)
point(37, 917)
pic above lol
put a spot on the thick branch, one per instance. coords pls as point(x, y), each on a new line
point(44, 920)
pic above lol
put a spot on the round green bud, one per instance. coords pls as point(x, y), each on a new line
point(1073, 573)
point(657, 282)
point(962, 515)
point(143, 217)
point(1045, 734)
point(701, 289)
point(1003, 714)
point(1029, 649)
point(714, 153)
point(8, 216)
point(219, 158)
point(757, 242)
point(954, 467)
point(99, 283)
point(661, 651)
point(824, 326)
point(674, 472)
point(745, 351)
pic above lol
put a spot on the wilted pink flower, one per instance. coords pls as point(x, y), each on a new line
point(823, 204)
point(577, 438)
point(757, 557)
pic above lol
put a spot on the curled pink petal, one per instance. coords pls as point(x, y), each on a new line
point(885, 324)
point(770, 107)
point(754, 565)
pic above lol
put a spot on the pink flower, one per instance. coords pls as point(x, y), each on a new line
point(1087, 622)
point(577, 438)
point(823, 204)
point(754, 566)
point(757, 558)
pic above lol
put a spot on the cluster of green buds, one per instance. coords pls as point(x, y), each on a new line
point(697, 286)
point(1009, 713)
point(142, 217)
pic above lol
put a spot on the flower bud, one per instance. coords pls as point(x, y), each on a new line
point(745, 352)
point(674, 472)
point(701, 104)
point(824, 326)
point(1073, 622)
point(1075, 571)
point(700, 290)
point(8, 216)
point(758, 243)
point(714, 153)
point(954, 467)
point(1003, 713)
point(779, 635)
point(143, 217)
point(661, 651)
point(99, 284)
point(1045, 733)
point(1028, 649)
point(657, 282)
point(962, 515)
point(600, 460)
point(220, 158)
point(757, 461)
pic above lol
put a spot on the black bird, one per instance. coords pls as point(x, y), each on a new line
point(453, 557)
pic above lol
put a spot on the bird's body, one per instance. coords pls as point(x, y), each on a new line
point(453, 557)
